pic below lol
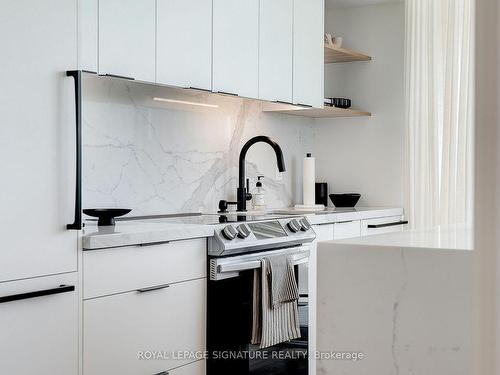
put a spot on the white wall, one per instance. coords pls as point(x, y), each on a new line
point(365, 154)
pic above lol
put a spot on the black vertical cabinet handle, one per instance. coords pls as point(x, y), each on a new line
point(38, 293)
point(77, 76)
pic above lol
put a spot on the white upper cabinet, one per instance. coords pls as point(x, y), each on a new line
point(127, 38)
point(87, 28)
point(262, 49)
point(275, 50)
point(184, 43)
point(308, 55)
point(236, 47)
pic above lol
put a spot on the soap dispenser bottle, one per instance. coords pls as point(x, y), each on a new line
point(259, 199)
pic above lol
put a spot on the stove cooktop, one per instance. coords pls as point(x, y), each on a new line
point(205, 219)
point(260, 233)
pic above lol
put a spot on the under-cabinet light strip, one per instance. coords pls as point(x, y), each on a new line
point(186, 102)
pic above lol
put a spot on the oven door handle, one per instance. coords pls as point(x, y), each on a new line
point(224, 268)
point(254, 264)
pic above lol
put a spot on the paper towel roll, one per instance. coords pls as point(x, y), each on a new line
point(308, 180)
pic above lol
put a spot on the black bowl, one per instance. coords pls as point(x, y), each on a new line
point(345, 200)
point(106, 215)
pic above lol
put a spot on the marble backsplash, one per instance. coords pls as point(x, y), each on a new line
point(156, 157)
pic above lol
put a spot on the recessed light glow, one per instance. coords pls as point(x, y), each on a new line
point(175, 101)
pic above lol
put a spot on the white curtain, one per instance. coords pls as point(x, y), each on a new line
point(439, 98)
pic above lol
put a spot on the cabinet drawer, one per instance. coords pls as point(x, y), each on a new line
point(348, 229)
point(392, 223)
point(122, 332)
point(124, 269)
point(39, 335)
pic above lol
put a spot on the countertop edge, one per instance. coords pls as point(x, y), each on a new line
point(168, 234)
point(362, 214)
point(450, 238)
point(179, 232)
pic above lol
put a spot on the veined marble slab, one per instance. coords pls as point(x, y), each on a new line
point(405, 306)
point(155, 157)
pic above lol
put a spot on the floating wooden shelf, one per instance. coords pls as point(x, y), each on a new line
point(339, 55)
point(326, 112)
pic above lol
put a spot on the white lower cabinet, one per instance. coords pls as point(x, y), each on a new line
point(39, 326)
point(346, 229)
point(124, 269)
point(124, 333)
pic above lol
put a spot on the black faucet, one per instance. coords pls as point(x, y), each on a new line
point(243, 193)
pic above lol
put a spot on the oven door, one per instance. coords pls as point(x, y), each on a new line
point(230, 307)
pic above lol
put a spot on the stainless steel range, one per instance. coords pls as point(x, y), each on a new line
point(234, 252)
point(239, 246)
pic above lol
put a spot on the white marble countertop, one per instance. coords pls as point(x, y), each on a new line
point(126, 233)
point(445, 238)
point(335, 215)
point(397, 297)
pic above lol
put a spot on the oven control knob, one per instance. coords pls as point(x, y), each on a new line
point(243, 231)
point(294, 225)
point(229, 233)
point(304, 225)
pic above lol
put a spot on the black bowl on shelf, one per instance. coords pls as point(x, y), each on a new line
point(106, 216)
point(345, 200)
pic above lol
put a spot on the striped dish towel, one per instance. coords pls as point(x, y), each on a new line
point(275, 296)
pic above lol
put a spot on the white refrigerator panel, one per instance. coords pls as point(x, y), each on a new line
point(38, 40)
